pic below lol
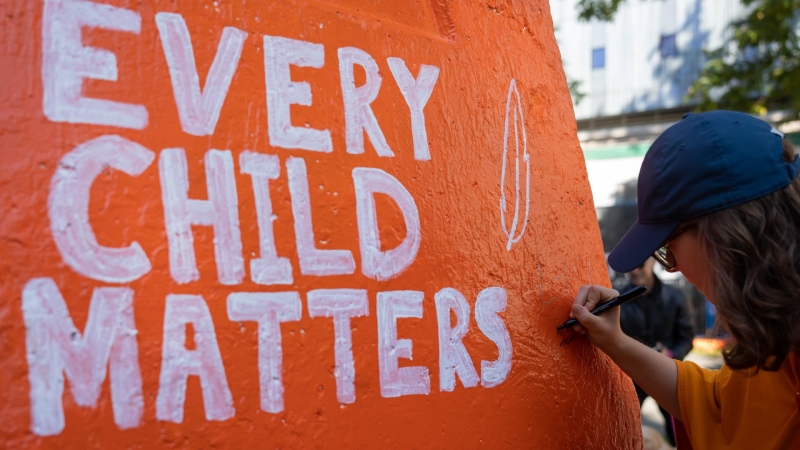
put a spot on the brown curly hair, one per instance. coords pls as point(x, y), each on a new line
point(753, 253)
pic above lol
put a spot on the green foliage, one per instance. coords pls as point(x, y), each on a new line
point(575, 91)
point(598, 9)
point(756, 70)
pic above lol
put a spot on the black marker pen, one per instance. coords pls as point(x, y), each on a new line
point(625, 297)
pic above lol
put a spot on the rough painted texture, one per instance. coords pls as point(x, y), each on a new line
point(555, 396)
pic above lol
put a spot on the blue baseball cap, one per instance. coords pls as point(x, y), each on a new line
point(705, 163)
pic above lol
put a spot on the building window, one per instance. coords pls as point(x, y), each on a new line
point(598, 58)
point(668, 46)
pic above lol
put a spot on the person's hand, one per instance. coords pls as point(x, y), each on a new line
point(603, 330)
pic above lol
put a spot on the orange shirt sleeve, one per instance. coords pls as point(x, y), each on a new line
point(726, 409)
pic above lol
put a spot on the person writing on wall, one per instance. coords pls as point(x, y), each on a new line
point(660, 320)
point(719, 200)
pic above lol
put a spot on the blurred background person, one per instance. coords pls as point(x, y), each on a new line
point(659, 319)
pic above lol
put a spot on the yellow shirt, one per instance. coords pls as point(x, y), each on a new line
point(726, 409)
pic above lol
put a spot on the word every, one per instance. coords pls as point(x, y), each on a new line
point(66, 62)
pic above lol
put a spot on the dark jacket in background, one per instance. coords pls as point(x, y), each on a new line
point(660, 315)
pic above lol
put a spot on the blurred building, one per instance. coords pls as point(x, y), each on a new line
point(632, 75)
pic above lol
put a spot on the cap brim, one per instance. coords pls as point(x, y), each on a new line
point(638, 244)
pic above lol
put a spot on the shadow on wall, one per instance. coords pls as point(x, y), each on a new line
point(675, 70)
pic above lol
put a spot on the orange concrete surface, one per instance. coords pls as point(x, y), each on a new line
point(295, 224)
